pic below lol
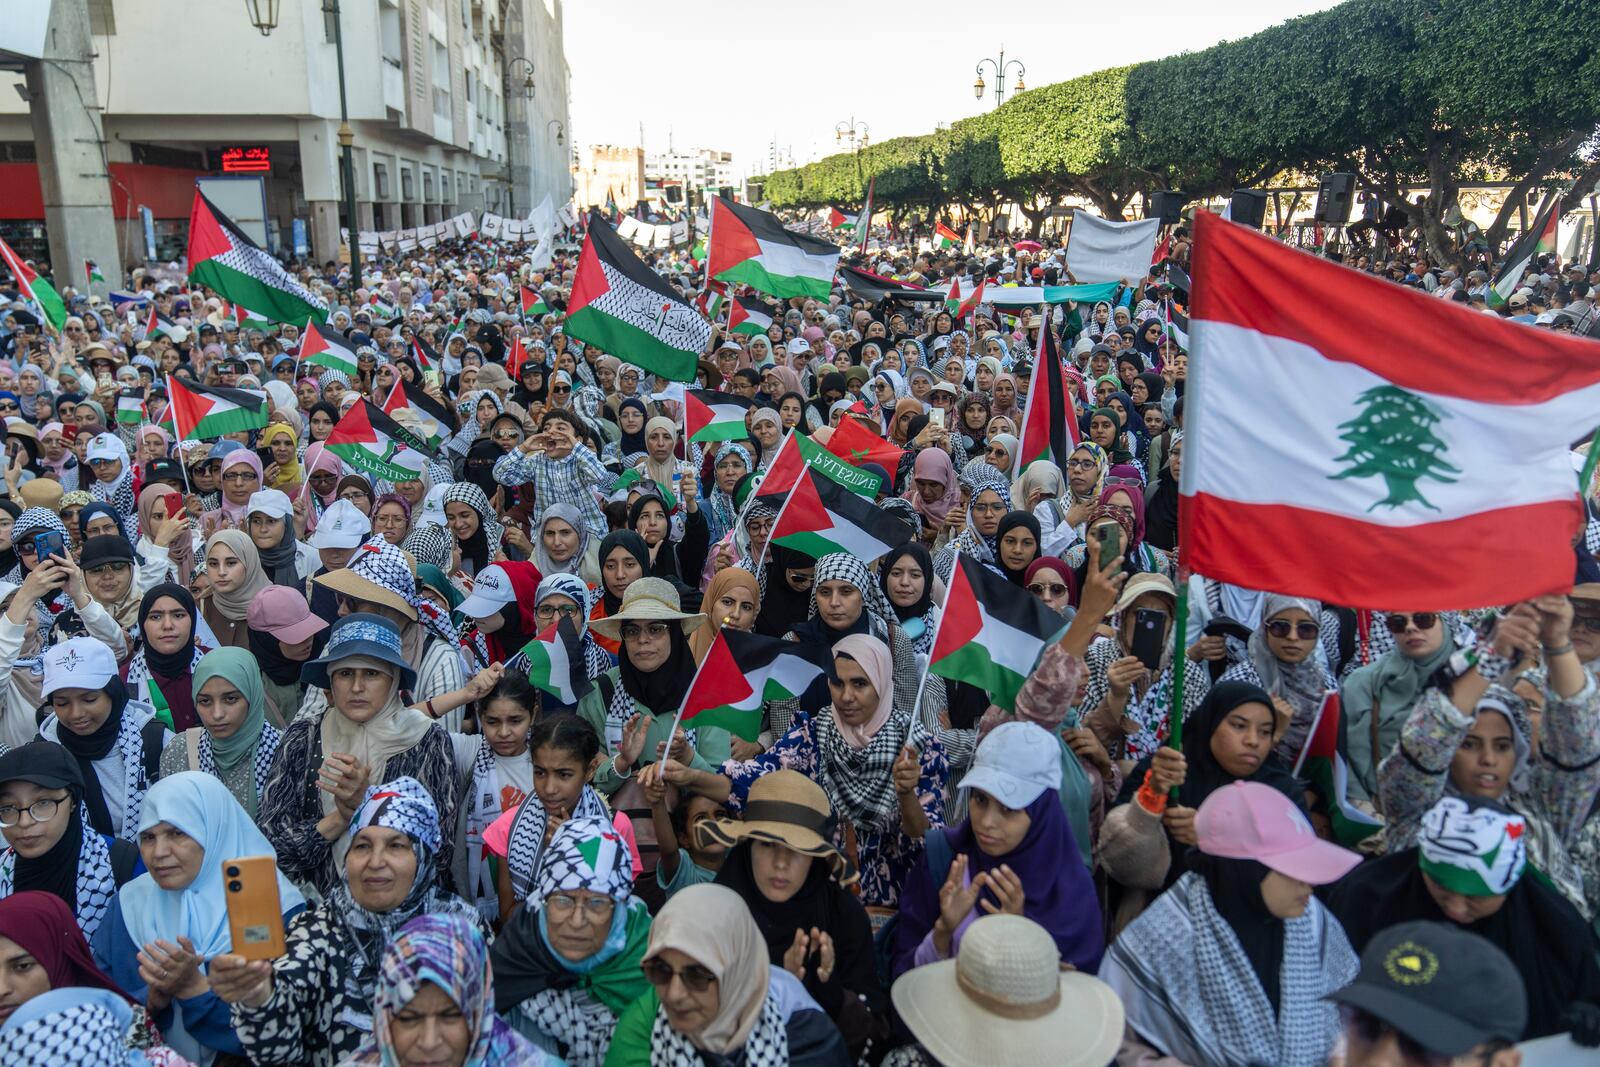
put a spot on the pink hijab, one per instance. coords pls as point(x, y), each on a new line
point(318, 458)
point(874, 657)
point(933, 465)
point(239, 457)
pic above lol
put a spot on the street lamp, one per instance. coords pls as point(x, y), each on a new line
point(264, 16)
point(527, 81)
point(1000, 67)
point(856, 132)
point(561, 130)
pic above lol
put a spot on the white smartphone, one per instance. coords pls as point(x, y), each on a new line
point(936, 418)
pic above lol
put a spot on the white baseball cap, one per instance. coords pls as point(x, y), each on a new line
point(271, 502)
point(491, 591)
point(78, 663)
point(1016, 762)
point(341, 526)
point(104, 446)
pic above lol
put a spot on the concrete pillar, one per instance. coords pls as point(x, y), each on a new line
point(365, 214)
point(324, 230)
point(69, 137)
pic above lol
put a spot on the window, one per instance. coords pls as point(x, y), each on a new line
point(407, 186)
point(427, 188)
point(380, 181)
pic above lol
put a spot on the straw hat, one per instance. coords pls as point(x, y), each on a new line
point(1005, 1002)
point(647, 600)
point(1140, 584)
point(371, 575)
point(784, 808)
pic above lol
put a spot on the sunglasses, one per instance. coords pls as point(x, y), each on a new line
point(1282, 628)
point(507, 435)
point(110, 568)
point(1590, 623)
point(1043, 589)
point(695, 977)
point(1424, 620)
point(632, 631)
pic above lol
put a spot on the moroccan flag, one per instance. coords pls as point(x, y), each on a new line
point(714, 416)
point(750, 316)
point(35, 289)
point(1049, 428)
point(822, 516)
point(371, 441)
point(838, 220)
point(741, 672)
point(855, 444)
point(556, 664)
point(1374, 482)
point(223, 258)
point(516, 356)
point(752, 247)
point(1325, 769)
point(206, 412)
point(987, 635)
point(945, 237)
point(321, 347)
point(130, 407)
point(619, 304)
point(91, 271)
point(433, 421)
point(533, 303)
point(1537, 240)
point(427, 359)
point(797, 454)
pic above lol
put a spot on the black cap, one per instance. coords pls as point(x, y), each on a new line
point(42, 763)
point(163, 470)
point(1447, 989)
point(111, 548)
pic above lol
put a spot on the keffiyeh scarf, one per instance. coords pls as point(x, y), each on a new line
point(525, 844)
point(860, 781)
point(96, 883)
point(767, 1045)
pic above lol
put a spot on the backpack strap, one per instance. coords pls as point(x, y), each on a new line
point(124, 858)
point(191, 744)
point(152, 735)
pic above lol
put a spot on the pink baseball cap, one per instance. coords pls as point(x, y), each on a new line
point(284, 613)
point(1252, 821)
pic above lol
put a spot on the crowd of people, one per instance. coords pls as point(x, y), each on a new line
point(241, 647)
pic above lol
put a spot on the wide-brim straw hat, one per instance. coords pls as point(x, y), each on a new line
point(1005, 1002)
point(789, 809)
point(647, 600)
point(352, 584)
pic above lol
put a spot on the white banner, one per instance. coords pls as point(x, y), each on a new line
point(387, 240)
point(628, 227)
point(490, 226)
point(513, 230)
point(408, 240)
point(543, 218)
point(663, 237)
point(426, 237)
point(444, 231)
point(680, 232)
point(568, 215)
point(1101, 251)
point(464, 224)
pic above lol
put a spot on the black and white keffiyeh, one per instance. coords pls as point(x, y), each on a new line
point(96, 883)
point(87, 1032)
point(586, 852)
point(767, 1045)
point(261, 765)
point(860, 781)
point(843, 567)
point(482, 809)
point(525, 844)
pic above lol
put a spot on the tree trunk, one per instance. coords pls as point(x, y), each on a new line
point(1549, 159)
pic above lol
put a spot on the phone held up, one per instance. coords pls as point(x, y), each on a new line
point(1149, 635)
point(255, 913)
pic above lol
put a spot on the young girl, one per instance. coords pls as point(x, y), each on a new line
point(566, 753)
point(685, 859)
point(495, 769)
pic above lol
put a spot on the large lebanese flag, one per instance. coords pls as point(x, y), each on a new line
point(1352, 440)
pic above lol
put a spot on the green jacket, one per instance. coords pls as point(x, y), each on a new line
point(712, 744)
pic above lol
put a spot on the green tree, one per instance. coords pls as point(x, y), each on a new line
point(1393, 439)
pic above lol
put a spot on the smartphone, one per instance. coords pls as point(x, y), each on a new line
point(48, 544)
point(174, 503)
point(936, 418)
point(1149, 635)
point(1110, 543)
point(255, 914)
point(265, 455)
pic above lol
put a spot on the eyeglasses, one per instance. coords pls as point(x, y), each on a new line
point(989, 508)
point(110, 568)
point(598, 909)
point(632, 631)
point(1281, 628)
point(546, 612)
point(1588, 622)
point(1369, 1030)
point(39, 811)
point(1424, 620)
point(695, 977)
point(1043, 589)
point(240, 476)
point(507, 435)
point(758, 526)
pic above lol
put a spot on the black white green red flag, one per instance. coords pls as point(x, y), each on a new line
point(33, 288)
point(371, 441)
point(1537, 240)
point(987, 635)
point(1321, 764)
point(715, 416)
point(797, 454)
point(433, 422)
point(321, 347)
point(1049, 423)
point(533, 303)
point(821, 516)
point(751, 247)
point(620, 305)
point(945, 237)
point(1374, 482)
point(750, 316)
point(556, 664)
point(237, 269)
point(740, 674)
point(206, 412)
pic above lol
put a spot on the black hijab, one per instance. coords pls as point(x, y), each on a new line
point(97, 746)
point(1154, 386)
point(922, 558)
point(268, 652)
point(8, 558)
point(633, 545)
point(632, 442)
point(1011, 521)
point(800, 427)
point(1161, 509)
point(1235, 887)
point(661, 690)
point(1205, 775)
point(168, 664)
point(782, 607)
point(478, 468)
point(55, 872)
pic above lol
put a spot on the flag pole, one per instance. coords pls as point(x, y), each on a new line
point(1589, 461)
point(1180, 665)
point(177, 431)
point(677, 720)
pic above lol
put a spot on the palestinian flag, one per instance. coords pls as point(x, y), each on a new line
point(431, 417)
point(206, 412)
point(750, 316)
point(855, 444)
point(533, 303)
point(632, 477)
point(1321, 764)
point(1537, 240)
point(427, 359)
point(945, 237)
point(156, 325)
point(715, 416)
point(249, 320)
point(321, 347)
point(1376, 482)
point(821, 516)
point(619, 304)
point(223, 258)
point(952, 299)
point(740, 674)
point(130, 407)
point(838, 220)
point(987, 635)
point(875, 287)
point(371, 441)
point(34, 289)
point(1177, 324)
point(797, 454)
point(91, 271)
point(752, 247)
point(970, 304)
point(556, 664)
point(1049, 425)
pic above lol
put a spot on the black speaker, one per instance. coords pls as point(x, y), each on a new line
point(674, 193)
point(1335, 195)
point(1248, 207)
point(1167, 205)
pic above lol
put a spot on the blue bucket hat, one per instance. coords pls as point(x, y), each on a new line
point(360, 634)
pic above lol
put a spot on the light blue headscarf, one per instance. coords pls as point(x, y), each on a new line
point(201, 806)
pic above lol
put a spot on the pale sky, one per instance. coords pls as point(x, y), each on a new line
point(734, 77)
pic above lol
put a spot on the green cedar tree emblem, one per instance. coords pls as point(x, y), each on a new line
point(1393, 439)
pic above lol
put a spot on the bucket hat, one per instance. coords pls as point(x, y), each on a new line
point(361, 634)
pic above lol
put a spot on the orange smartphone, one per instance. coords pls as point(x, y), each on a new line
point(255, 914)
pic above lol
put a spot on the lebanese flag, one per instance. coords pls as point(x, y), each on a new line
point(740, 674)
point(556, 664)
point(1049, 425)
point(1381, 476)
point(715, 416)
point(322, 347)
point(821, 517)
point(989, 636)
point(1321, 765)
point(855, 444)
